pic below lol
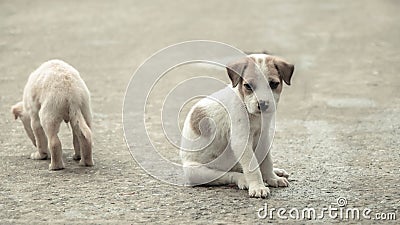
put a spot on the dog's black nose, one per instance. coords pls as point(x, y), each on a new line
point(262, 105)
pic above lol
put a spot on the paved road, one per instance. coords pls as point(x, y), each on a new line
point(338, 125)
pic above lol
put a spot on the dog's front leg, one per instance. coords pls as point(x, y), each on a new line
point(263, 152)
point(252, 174)
point(269, 175)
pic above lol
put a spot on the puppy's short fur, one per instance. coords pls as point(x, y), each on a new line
point(217, 126)
point(55, 92)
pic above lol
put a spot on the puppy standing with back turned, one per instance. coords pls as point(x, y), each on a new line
point(225, 133)
point(55, 92)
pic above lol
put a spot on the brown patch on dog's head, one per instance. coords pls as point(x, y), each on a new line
point(285, 69)
point(242, 73)
point(278, 70)
point(199, 122)
point(17, 110)
point(236, 70)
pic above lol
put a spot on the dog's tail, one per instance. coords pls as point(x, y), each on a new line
point(80, 118)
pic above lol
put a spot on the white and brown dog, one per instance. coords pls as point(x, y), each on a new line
point(55, 92)
point(226, 137)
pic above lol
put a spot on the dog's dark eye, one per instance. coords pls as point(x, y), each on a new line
point(248, 87)
point(273, 84)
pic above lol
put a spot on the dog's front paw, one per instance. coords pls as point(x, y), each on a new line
point(258, 191)
point(281, 173)
point(38, 156)
point(277, 182)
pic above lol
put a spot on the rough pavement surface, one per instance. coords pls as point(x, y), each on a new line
point(338, 125)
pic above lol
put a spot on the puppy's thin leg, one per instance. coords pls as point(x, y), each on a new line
point(197, 175)
point(86, 139)
point(84, 135)
point(41, 139)
point(231, 178)
point(51, 127)
point(77, 148)
point(252, 174)
point(269, 175)
point(86, 150)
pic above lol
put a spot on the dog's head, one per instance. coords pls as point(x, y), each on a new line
point(18, 111)
point(252, 82)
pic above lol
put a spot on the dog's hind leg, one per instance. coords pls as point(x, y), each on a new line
point(41, 139)
point(281, 173)
point(85, 143)
point(77, 148)
point(199, 175)
point(51, 126)
point(82, 133)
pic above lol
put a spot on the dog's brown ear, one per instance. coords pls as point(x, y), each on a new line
point(285, 69)
point(235, 70)
point(17, 110)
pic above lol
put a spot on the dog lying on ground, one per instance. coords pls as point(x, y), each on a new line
point(214, 149)
point(55, 92)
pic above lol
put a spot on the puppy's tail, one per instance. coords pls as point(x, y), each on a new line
point(81, 123)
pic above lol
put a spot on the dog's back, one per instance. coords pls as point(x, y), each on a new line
point(59, 85)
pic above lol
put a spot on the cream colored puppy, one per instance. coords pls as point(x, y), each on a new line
point(226, 136)
point(55, 92)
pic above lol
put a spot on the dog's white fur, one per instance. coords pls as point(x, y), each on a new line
point(55, 92)
point(213, 137)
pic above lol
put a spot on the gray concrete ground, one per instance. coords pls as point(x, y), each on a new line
point(338, 125)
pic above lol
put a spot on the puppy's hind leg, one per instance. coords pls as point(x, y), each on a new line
point(85, 143)
point(52, 127)
point(41, 139)
point(83, 134)
point(199, 175)
point(281, 173)
point(77, 148)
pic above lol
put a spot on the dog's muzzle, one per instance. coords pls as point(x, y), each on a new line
point(262, 105)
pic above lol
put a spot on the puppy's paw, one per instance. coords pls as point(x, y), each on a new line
point(86, 162)
point(277, 182)
point(76, 157)
point(54, 166)
point(281, 173)
point(258, 191)
point(38, 156)
point(242, 183)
